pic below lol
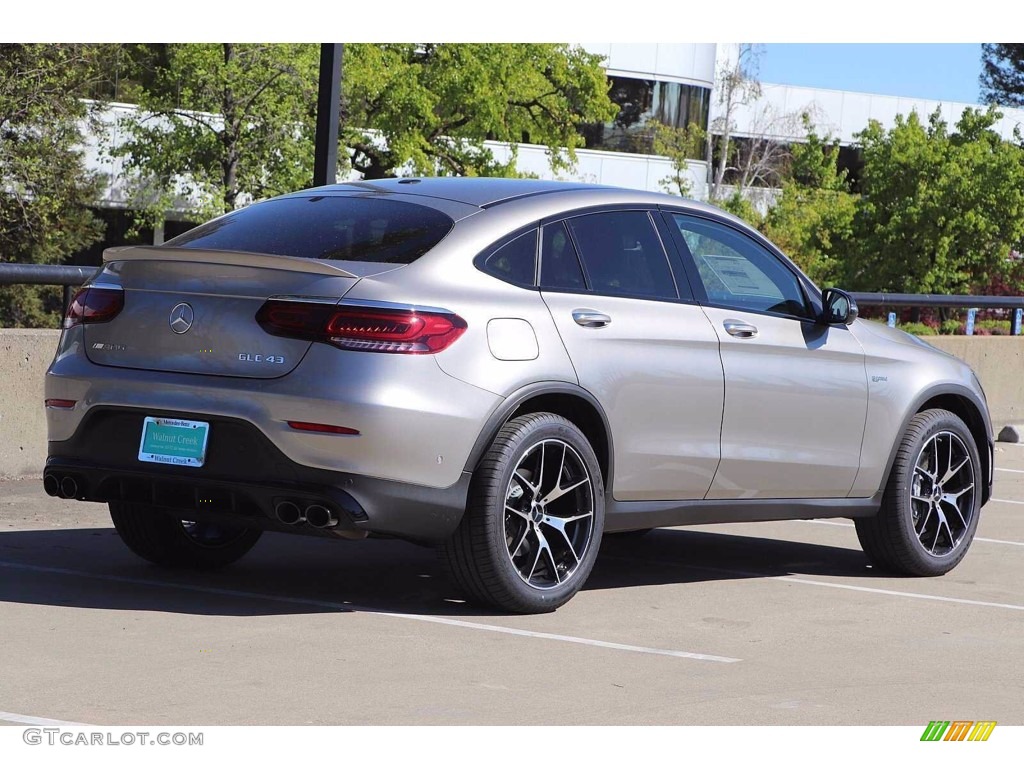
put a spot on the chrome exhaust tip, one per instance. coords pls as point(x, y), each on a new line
point(320, 516)
point(51, 485)
point(69, 487)
point(288, 512)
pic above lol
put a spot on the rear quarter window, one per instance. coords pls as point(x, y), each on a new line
point(515, 261)
point(325, 227)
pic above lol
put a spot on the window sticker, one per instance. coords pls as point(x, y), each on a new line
point(740, 277)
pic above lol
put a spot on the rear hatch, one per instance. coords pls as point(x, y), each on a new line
point(190, 305)
point(197, 315)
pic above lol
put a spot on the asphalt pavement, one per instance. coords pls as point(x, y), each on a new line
point(758, 624)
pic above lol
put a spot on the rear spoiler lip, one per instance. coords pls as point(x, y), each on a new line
point(210, 256)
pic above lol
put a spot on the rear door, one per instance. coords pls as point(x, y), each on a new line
point(795, 390)
point(641, 346)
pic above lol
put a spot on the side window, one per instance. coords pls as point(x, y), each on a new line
point(737, 272)
point(515, 261)
point(623, 254)
point(559, 265)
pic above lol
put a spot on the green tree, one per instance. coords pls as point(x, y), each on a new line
point(939, 211)
point(679, 145)
point(219, 124)
point(45, 190)
point(1002, 74)
point(427, 108)
point(741, 206)
point(812, 222)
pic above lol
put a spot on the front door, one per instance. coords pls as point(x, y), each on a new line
point(795, 390)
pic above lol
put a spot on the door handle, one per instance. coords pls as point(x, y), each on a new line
point(740, 329)
point(590, 318)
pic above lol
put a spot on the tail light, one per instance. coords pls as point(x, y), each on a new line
point(367, 329)
point(94, 304)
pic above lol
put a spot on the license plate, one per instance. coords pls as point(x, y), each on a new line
point(174, 441)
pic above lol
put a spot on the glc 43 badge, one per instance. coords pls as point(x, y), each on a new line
point(247, 357)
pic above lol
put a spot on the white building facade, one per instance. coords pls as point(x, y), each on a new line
point(675, 84)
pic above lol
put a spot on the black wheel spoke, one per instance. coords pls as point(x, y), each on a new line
point(924, 523)
point(515, 550)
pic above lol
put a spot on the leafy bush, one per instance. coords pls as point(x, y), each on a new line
point(919, 329)
point(993, 327)
point(951, 327)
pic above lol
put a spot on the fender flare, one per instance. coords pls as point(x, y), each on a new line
point(508, 406)
point(985, 451)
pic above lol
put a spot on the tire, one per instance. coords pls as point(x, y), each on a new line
point(932, 500)
point(517, 548)
point(165, 540)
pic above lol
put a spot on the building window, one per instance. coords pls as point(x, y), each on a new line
point(641, 102)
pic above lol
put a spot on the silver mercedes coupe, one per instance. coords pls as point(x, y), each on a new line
point(507, 370)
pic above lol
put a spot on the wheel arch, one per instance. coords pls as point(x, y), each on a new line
point(567, 400)
point(965, 404)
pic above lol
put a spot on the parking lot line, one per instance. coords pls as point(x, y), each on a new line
point(976, 538)
point(813, 582)
point(13, 717)
point(897, 593)
point(1007, 501)
point(351, 608)
point(1000, 541)
point(1015, 471)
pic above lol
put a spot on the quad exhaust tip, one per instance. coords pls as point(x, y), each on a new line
point(319, 516)
point(65, 487)
point(51, 485)
point(69, 487)
point(288, 512)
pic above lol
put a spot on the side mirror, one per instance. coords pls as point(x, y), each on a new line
point(839, 307)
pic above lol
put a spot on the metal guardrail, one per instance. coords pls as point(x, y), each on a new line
point(971, 303)
point(46, 274)
point(937, 300)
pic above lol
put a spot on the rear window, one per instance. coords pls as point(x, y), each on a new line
point(322, 227)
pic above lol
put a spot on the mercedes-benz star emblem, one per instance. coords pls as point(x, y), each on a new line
point(181, 318)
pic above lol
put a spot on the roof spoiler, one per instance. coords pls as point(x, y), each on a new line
point(210, 256)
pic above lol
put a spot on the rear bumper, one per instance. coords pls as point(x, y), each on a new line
point(416, 424)
point(243, 479)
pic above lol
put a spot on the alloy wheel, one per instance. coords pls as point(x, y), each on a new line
point(942, 494)
point(549, 514)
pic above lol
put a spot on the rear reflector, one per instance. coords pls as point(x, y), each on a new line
point(367, 329)
point(55, 403)
point(94, 305)
point(330, 429)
